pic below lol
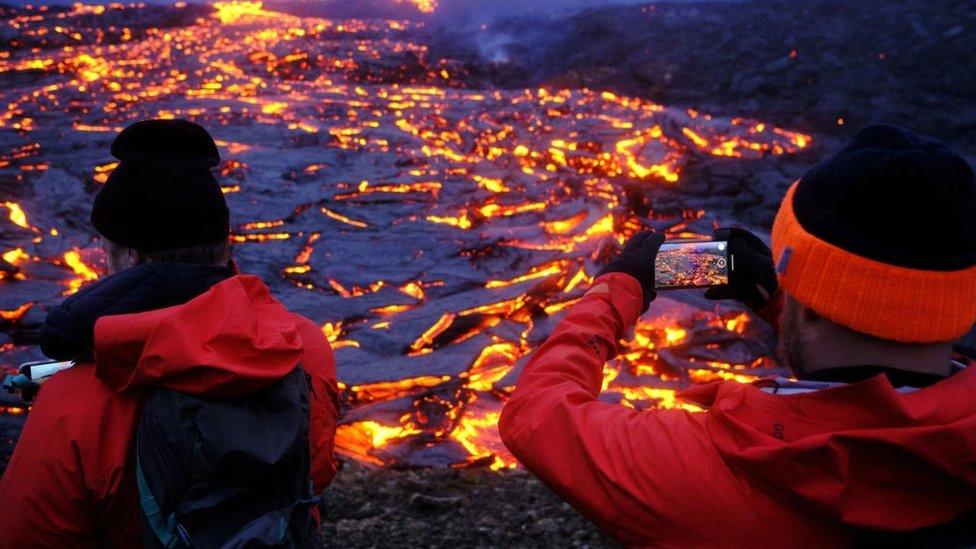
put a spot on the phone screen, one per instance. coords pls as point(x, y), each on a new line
point(692, 265)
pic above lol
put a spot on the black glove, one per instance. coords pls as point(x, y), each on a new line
point(753, 280)
point(637, 260)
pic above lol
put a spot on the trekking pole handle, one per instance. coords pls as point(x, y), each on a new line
point(31, 374)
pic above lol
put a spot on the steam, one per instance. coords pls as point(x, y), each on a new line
point(478, 11)
point(482, 25)
point(493, 47)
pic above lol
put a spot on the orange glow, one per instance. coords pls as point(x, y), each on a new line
point(343, 219)
point(17, 215)
point(307, 250)
point(541, 271)
point(413, 290)
point(387, 390)
point(15, 256)
point(333, 332)
point(348, 132)
point(406, 188)
point(662, 398)
point(262, 225)
point(703, 375)
point(477, 428)
point(461, 222)
point(102, 171)
point(675, 335)
point(579, 278)
point(427, 338)
point(492, 184)
point(15, 314)
point(697, 139)
point(231, 12)
point(83, 272)
point(259, 237)
point(494, 210)
point(738, 323)
point(424, 6)
point(556, 308)
point(492, 364)
point(666, 170)
point(564, 226)
point(357, 439)
point(391, 309)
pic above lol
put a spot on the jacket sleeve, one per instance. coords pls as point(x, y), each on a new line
point(65, 484)
point(319, 364)
point(623, 469)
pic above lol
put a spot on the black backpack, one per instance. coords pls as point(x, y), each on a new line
point(229, 473)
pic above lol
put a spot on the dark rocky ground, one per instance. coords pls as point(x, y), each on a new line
point(450, 508)
point(802, 64)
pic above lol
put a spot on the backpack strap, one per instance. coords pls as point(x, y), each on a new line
point(164, 530)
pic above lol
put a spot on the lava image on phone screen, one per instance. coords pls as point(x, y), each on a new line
point(692, 265)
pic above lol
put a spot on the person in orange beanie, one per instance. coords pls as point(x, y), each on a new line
point(873, 265)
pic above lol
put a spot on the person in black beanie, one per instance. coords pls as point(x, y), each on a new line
point(179, 350)
point(872, 275)
point(161, 203)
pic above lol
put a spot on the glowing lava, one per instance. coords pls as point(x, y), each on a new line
point(435, 232)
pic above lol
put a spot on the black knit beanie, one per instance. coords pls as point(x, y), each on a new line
point(881, 237)
point(162, 195)
point(894, 196)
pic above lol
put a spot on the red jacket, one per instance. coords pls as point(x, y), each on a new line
point(70, 481)
point(757, 469)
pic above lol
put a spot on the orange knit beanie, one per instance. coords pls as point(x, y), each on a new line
point(881, 238)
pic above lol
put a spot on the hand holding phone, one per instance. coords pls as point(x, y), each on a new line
point(736, 264)
point(753, 279)
point(637, 260)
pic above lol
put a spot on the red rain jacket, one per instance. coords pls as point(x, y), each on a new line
point(70, 481)
point(757, 469)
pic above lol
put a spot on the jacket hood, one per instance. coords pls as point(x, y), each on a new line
point(232, 339)
point(862, 454)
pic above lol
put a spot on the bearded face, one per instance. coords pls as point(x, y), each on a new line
point(792, 348)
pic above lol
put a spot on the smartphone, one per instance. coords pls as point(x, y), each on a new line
point(700, 264)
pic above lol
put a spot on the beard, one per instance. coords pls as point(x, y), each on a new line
point(791, 345)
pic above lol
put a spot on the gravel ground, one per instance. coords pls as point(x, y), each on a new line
point(368, 507)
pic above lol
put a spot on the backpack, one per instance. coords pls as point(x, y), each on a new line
point(231, 472)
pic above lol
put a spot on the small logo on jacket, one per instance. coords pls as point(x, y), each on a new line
point(596, 343)
point(784, 260)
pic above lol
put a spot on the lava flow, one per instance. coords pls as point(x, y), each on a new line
point(436, 231)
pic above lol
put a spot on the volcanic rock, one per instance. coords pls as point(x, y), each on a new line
point(829, 66)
